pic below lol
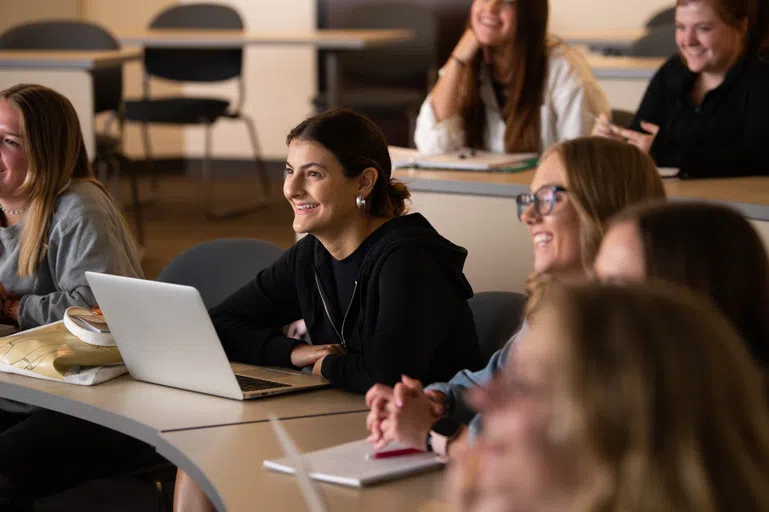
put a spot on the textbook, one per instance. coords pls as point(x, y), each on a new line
point(352, 464)
point(464, 160)
point(52, 352)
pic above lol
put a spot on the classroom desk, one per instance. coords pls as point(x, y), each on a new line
point(144, 410)
point(600, 40)
point(332, 41)
point(66, 71)
point(226, 462)
point(477, 211)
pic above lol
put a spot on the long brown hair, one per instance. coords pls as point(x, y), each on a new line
point(713, 250)
point(734, 12)
point(56, 155)
point(604, 177)
point(525, 93)
point(665, 399)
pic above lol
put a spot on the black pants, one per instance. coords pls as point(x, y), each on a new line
point(45, 452)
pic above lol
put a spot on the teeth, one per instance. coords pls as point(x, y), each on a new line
point(490, 22)
point(542, 239)
point(306, 206)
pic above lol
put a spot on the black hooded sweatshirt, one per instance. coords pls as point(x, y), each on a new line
point(408, 314)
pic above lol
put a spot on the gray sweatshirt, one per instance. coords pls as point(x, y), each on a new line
point(86, 233)
point(465, 379)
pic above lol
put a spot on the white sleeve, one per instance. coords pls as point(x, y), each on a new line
point(434, 137)
point(576, 99)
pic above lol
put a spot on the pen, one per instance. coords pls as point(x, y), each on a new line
point(393, 453)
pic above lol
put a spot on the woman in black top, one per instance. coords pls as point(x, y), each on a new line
point(706, 109)
point(382, 293)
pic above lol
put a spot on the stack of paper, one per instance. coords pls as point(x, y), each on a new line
point(350, 464)
point(465, 159)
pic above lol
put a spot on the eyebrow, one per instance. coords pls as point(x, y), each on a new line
point(307, 165)
point(14, 135)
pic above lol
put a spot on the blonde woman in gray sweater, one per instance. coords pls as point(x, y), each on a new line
point(56, 222)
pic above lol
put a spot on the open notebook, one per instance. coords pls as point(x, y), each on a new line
point(349, 464)
point(465, 159)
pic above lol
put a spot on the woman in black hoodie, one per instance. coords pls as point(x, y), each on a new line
point(382, 293)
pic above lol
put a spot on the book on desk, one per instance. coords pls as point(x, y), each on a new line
point(463, 160)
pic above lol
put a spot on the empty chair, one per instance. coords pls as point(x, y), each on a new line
point(659, 41)
point(662, 17)
point(107, 84)
point(497, 315)
point(395, 79)
point(204, 65)
point(219, 267)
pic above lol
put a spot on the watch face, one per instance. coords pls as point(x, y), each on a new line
point(446, 427)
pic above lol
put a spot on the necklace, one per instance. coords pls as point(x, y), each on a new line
point(12, 212)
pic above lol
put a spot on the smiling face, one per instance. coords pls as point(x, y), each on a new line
point(621, 256)
point(556, 236)
point(13, 159)
point(493, 21)
point(707, 43)
point(322, 197)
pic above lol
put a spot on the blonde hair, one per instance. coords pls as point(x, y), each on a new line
point(56, 156)
point(604, 177)
point(665, 399)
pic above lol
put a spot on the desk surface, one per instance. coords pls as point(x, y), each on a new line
point(66, 59)
point(322, 39)
point(619, 67)
point(604, 38)
point(227, 463)
point(142, 410)
point(749, 194)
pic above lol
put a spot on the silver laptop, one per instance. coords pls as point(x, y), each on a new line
point(166, 337)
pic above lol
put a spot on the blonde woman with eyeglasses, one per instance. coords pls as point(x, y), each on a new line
point(578, 186)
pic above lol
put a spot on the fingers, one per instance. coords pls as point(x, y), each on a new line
point(412, 383)
point(650, 127)
point(400, 392)
point(378, 391)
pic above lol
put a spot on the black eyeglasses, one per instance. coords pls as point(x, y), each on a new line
point(543, 200)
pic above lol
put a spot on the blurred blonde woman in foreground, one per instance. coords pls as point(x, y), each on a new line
point(631, 398)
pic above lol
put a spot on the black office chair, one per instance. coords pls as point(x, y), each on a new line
point(107, 87)
point(659, 41)
point(220, 267)
point(380, 81)
point(195, 65)
point(497, 315)
point(662, 17)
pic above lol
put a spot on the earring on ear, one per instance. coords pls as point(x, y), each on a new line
point(360, 202)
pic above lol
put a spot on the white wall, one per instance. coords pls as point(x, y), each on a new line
point(602, 14)
point(15, 12)
point(280, 83)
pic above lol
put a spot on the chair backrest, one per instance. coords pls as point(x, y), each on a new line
point(622, 117)
point(73, 35)
point(220, 267)
point(665, 16)
point(659, 41)
point(195, 64)
point(392, 64)
point(497, 315)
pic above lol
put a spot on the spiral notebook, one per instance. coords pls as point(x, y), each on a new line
point(349, 464)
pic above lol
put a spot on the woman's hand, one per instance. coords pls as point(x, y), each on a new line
point(467, 47)
point(642, 140)
point(307, 355)
point(410, 415)
point(603, 127)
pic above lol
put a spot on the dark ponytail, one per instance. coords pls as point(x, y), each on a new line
point(357, 143)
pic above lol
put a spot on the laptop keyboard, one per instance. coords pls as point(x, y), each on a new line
point(254, 384)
